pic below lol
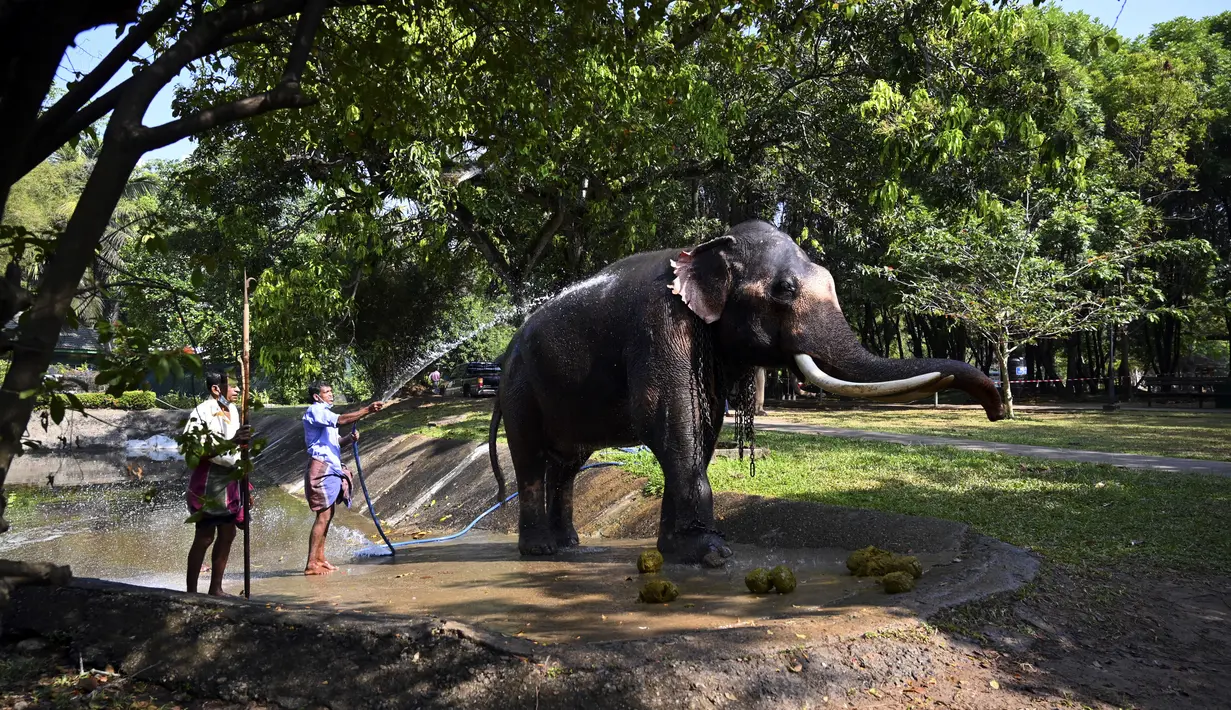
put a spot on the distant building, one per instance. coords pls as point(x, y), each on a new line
point(74, 348)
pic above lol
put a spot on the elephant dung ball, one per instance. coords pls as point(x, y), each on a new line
point(783, 579)
point(903, 563)
point(868, 562)
point(898, 582)
point(659, 591)
point(758, 581)
point(650, 561)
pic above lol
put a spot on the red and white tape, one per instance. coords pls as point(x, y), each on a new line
point(1071, 379)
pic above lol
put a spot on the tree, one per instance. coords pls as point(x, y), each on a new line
point(1000, 276)
point(181, 33)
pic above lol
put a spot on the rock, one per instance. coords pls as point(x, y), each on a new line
point(758, 581)
point(22, 705)
point(650, 561)
point(783, 579)
point(713, 558)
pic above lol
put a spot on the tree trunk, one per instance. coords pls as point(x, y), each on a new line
point(33, 37)
point(867, 330)
point(916, 338)
point(759, 397)
point(1006, 391)
point(1049, 367)
point(960, 341)
point(73, 255)
point(1074, 369)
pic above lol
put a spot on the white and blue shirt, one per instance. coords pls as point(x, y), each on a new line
point(320, 434)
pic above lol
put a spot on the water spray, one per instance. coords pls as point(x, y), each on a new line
point(416, 367)
point(378, 551)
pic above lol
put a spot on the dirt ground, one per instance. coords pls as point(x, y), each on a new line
point(1131, 638)
point(1097, 639)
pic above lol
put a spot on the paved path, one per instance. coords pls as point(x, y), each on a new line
point(1159, 463)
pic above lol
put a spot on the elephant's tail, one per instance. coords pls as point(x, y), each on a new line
point(494, 452)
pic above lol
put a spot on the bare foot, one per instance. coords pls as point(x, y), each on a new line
point(219, 593)
point(331, 566)
point(316, 568)
point(204, 569)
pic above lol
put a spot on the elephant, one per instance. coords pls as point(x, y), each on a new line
point(638, 354)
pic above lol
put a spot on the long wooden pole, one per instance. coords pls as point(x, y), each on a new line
point(244, 452)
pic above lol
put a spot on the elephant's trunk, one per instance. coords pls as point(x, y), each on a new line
point(840, 354)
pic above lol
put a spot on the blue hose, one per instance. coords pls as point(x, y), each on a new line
point(375, 551)
point(363, 484)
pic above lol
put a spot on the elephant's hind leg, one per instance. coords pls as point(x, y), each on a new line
point(561, 473)
point(534, 535)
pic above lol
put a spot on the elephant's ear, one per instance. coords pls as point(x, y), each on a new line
point(703, 277)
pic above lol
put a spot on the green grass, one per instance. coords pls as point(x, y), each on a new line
point(1197, 436)
point(443, 418)
point(1070, 512)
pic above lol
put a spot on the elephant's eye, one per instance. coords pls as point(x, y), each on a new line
point(785, 289)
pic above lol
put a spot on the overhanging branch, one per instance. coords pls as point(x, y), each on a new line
point(70, 103)
point(281, 97)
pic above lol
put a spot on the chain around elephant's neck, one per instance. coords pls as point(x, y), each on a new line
point(745, 414)
point(707, 383)
point(710, 387)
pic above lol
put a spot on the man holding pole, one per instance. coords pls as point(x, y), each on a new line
point(326, 481)
point(214, 495)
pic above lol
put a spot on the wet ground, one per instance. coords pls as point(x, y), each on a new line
point(136, 534)
point(586, 594)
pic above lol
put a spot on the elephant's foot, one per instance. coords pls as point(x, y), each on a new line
point(566, 537)
point(536, 543)
point(695, 545)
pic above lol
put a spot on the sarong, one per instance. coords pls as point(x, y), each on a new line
point(213, 495)
point(324, 487)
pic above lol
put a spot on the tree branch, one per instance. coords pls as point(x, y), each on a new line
point(545, 235)
point(70, 103)
point(301, 47)
point(700, 27)
point(486, 246)
point(282, 96)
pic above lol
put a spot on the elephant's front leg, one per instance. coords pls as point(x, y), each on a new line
point(686, 530)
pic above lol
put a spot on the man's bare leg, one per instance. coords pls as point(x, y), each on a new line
point(320, 551)
point(196, 555)
point(222, 550)
point(316, 544)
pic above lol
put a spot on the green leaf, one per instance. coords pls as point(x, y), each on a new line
point(57, 408)
point(1112, 42)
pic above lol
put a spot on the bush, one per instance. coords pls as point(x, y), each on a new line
point(139, 399)
point(179, 400)
point(135, 400)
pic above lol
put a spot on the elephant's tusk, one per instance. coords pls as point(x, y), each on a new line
point(916, 394)
point(833, 385)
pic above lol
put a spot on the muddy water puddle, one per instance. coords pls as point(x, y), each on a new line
point(586, 594)
point(136, 534)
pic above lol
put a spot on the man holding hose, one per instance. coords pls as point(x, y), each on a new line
point(326, 481)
